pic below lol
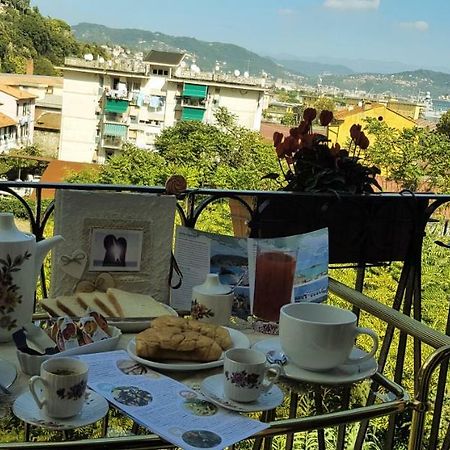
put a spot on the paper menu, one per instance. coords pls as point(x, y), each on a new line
point(167, 407)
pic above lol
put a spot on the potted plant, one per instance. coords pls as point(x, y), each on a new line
point(335, 188)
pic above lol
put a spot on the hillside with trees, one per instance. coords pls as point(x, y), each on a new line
point(25, 34)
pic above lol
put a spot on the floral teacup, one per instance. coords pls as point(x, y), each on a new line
point(247, 374)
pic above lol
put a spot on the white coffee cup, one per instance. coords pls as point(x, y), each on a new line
point(247, 374)
point(321, 337)
point(60, 388)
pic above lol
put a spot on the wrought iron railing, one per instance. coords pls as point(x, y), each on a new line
point(193, 203)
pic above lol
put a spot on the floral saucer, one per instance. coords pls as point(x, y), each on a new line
point(95, 408)
point(212, 388)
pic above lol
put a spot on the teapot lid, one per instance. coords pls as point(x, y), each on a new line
point(213, 286)
point(9, 232)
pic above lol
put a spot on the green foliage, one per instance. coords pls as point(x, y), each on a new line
point(25, 34)
point(12, 204)
point(443, 126)
point(411, 157)
point(289, 119)
point(15, 163)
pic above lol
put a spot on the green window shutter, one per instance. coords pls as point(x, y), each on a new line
point(113, 129)
point(116, 106)
point(192, 114)
point(195, 90)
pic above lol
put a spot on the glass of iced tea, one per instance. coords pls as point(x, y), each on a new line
point(274, 279)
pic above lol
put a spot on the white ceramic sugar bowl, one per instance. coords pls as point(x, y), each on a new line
point(212, 301)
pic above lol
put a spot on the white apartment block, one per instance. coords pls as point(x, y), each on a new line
point(16, 118)
point(108, 103)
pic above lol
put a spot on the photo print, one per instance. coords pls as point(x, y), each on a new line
point(115, 250)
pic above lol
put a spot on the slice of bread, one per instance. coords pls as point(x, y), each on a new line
point(97, 301)
point(129, 304)
point(63, 306)
point(70, 307)
point(50, 305)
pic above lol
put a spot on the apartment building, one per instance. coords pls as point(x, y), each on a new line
point(17, 117)
point(108, 103)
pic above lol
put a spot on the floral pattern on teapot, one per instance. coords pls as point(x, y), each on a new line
point(9, 292)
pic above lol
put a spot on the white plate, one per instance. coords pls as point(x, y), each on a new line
point(240, 340)
point(212, 389)
point(8, 373)
point(134, 326)
point(95, 408)
point(347, 373)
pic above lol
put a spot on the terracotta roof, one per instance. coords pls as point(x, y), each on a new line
point(16, 93)
point(268, 128)
point(356, 110)
point(48, 121)
point(164, 58)
point(58, 170)
point(423, 123)
point(6, 121)
point(14, 79)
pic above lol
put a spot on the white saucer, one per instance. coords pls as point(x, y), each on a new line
point(212, 388)
point(347, 373)
point(8, 373)
point(95, 408)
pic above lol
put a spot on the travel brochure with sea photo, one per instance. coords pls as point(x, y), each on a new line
point(234, 259)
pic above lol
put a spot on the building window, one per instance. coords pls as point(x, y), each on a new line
point(160, 71)
point(154, 72)
point(166, 72)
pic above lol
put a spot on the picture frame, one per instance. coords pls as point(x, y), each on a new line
point(143, 221)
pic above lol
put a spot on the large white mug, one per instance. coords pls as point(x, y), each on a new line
point(247, 374)
point(321, 337)
point(61, 387)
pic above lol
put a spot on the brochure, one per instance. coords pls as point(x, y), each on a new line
point(234, 259)
point(168, 408)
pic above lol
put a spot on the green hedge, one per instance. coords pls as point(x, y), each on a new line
point(13, 205)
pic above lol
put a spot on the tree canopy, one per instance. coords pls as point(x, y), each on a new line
point(223, 156)
point(26, 34)
point(416, 158)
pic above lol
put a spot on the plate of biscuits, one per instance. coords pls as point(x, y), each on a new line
point(176, 343)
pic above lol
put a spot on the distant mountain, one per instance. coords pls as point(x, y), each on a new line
point(411, 84)
point(205, 53)
point(346, 74)
point(310, 68)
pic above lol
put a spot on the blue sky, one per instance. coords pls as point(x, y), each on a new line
point(413, 32)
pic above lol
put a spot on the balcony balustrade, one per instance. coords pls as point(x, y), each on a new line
point(425, 410)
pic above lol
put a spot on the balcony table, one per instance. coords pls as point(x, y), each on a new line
point(285, 420)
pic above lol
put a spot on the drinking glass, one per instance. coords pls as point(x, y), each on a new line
point(274, 280)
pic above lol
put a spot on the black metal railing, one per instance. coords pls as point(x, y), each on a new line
point(407, 298)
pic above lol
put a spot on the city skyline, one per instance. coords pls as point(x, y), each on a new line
point(412, 33)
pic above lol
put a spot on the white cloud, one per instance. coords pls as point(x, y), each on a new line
point(286, 12)
point(418, 25)
point(352, 4)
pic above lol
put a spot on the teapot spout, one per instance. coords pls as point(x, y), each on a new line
point(42, 248)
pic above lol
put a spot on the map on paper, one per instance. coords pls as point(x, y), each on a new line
point(167, 407)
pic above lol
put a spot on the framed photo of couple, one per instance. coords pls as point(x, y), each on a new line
point(128, 235)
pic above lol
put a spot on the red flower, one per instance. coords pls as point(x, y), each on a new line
point(362, 141)
point(277, 138)
point(309, 114)
point(325, 118)
point(355, 131)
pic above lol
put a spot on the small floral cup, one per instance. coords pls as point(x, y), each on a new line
point(247, 374)
point(61, 387)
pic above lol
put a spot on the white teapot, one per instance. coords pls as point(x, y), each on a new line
point(21, 258)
